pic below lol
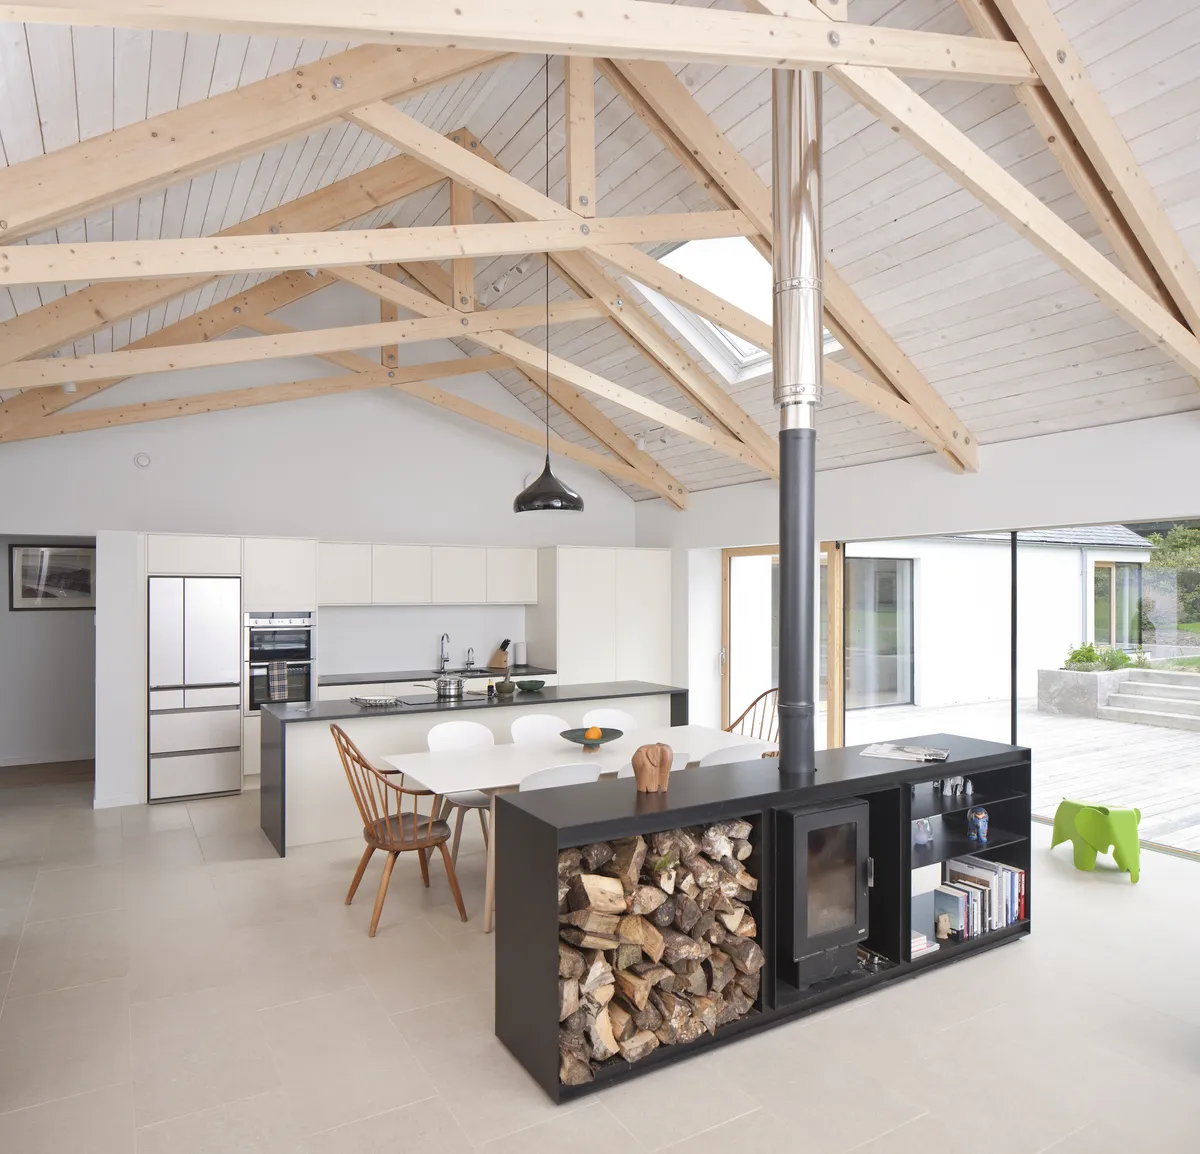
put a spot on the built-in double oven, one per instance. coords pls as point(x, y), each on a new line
point(280, 659)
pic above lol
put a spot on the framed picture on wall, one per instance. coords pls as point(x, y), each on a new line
point(51, 577)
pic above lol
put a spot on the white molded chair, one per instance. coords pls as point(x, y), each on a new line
point(578, 773)
point(450, 735)
point(610, 719)
point(535, 728)
point(749, 751)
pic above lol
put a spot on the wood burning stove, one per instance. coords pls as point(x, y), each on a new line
point(824, 875)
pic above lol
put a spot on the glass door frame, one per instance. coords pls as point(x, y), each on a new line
point(1112, 567)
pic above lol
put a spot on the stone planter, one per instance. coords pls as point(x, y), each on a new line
point(1078, 694)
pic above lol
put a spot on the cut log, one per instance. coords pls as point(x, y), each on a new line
point(599, 973)
point(591, 920)
point(745, 878)
point(749, 984)
point(703, 924)
point(569, 863)
point(720, 971)
point(704, 1010)
point(687, 914)
point(568, 997)
point(634, 988)
point(596, 854)
point(745, 953)
point(570, 962)
point(696, 982)
point(733, 918)
point(628, 954)
point(738, 828)
point(680, 946)
point(727, 883)
point(564, 888)
point(706, 874)
point(662, 870)
point(722, 904)
point(735, 1005)
point(686, 883)
point(643, 933)
point(742, 849)
point(598, 998)
point(748, 928)
point(716, 843)
point(626, 865)
point(574, 1071)
point(646, 899)
point(715, 934)
point(602, 1042)
point(646, 1018)
point(665, 914)
point(597, 892)
point(587, 940)
point(622, 1022)
point(675, 1012)
point(635, 1048)
point(653, 972)
point(692, 1026)
point(676, 841)
point(743, 894)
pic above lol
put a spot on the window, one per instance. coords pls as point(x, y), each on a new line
point(879, 632)
point(732, 268)
point(1117, 604)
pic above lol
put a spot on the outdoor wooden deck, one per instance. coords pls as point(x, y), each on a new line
point(1106, 762)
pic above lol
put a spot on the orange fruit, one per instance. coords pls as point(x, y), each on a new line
point(594, 733)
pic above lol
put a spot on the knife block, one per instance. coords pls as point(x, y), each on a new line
point(498, 660)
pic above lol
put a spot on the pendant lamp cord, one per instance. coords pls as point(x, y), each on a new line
point(547, 256)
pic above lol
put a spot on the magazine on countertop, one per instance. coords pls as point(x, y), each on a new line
point(906, 752)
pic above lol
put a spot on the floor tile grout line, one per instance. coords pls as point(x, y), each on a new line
point(1061, 1140)
point(377, 1114)
point(885, 1133)
point(64, 1098)
point(204, 1109)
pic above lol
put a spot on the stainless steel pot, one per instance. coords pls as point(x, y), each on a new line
point(449, 688)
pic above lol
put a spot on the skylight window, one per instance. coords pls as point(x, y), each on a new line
point(732, 268)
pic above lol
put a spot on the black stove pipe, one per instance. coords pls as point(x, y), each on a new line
point(798, 352)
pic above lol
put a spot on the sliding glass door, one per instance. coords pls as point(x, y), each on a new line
point(1117, 604)
point(879, 632)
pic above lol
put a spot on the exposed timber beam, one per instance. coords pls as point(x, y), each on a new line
point(462, 211)
point(389, 355)
point(214, 321)
point(918, 122)
point(579, 95)
point(129, 362)
point(1065, 78)
point(474, 167)
point(626, 29)
point(535, 359)
point(674, 113)
point(71, 182)
point(606, 432)
point(216, 256)
point(377, 377)
point(1061, 141)
point(96, 307)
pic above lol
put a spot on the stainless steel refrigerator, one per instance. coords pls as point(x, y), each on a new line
point(195, 695)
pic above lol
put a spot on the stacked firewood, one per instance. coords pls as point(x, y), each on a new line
point(657, 943)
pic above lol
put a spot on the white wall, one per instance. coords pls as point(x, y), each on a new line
point(47, 677)
point(369, 466)
point(700, 632)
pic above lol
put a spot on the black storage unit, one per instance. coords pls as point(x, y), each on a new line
point(884, 797)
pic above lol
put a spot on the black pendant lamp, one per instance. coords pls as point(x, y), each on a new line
point(548, 492)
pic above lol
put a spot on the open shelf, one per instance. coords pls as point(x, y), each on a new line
point(978, 942)
point(951, 843)
point(929, 803)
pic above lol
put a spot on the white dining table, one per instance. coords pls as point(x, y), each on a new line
point(496, 769)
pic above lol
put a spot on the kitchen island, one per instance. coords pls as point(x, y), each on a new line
point(305, 797)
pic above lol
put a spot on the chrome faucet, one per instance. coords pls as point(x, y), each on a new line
point(443, 652)
point(470, 657)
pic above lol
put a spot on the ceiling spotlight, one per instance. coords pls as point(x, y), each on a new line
point(142, 460)
point(522, 266)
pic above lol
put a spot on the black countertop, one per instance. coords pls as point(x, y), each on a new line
point(578, 811)
point(519, 672)
point(428, 702)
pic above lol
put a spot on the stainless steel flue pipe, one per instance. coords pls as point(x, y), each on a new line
point(797, 355)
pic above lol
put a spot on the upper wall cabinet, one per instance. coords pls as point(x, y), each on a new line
point(278, 573)
point(401, 574)
point(512, 576)
point(343, 573)
point(459, 575)
point(189, 556)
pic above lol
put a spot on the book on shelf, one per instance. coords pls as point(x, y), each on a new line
point(920, 944)
point(994, 893)
point(953, 903)
point(898, 752)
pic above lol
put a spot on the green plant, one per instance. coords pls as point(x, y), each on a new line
point(1088, 659)
point(1140, 660)
point(1114, 659)
point(1085, 655)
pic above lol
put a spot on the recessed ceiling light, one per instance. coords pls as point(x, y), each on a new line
point(142, 460)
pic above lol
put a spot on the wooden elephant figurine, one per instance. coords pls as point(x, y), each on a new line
point(652, 768)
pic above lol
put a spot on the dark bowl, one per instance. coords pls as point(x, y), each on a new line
point(590, 745)
point(530, 686)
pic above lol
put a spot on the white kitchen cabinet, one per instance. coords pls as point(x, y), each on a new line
point(193, 556)
point(278, 574)
point(343, 573)
point(587, 616)
point(401, 574)
point(643, 615)
point(459, 575)
point(512, 576)
point(251, 745)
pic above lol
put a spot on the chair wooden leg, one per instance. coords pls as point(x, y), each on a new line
point(358, 873)
point(424, 867)
point(458, 824)
point(483, 824)
point(383, 885)
point(462, 913)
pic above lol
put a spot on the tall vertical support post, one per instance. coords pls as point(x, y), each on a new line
point(797, 350)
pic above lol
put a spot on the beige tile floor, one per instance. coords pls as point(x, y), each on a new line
point(169, 985)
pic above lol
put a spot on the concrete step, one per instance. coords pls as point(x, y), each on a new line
point(1155, 688)
point(1143, 704)
point(1170, 676)
point(1146, 717)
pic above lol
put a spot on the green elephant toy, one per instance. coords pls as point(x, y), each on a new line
point(1094, 829)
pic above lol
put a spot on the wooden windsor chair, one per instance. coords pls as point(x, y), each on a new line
point(760, 719)
point(393, 831)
